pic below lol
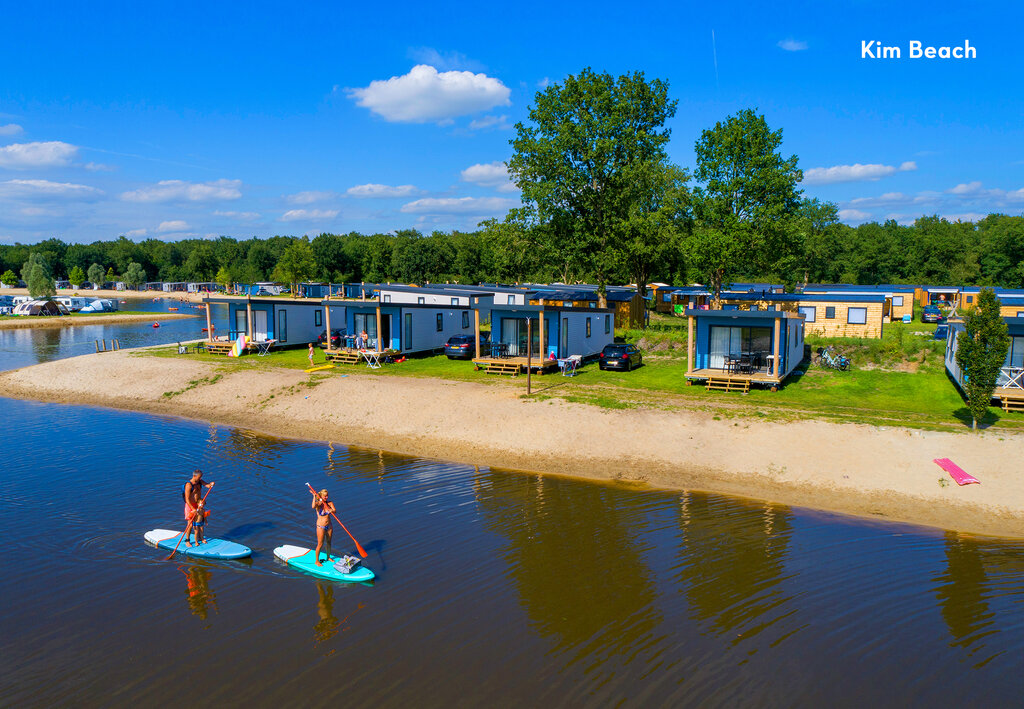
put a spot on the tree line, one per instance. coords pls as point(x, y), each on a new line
point(601, 203)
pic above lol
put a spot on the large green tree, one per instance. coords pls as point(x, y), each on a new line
point(981, 351)
point(296, 264)
point(76, 275)
point(95, 275)
point(38, 277)
point(574, 160)
point(134, 274)
point(747, 198)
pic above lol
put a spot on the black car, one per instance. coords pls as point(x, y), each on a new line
point(336, 337)
point(464, 346)
point(619, 357)
point(931, 313)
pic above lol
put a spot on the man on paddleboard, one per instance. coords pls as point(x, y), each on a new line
point(195, 514)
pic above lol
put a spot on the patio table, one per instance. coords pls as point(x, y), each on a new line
point(263, 346)
point(372, 359)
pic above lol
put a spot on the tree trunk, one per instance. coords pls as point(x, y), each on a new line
point(974, 424)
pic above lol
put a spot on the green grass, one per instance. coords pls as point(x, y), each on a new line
point(899, 380)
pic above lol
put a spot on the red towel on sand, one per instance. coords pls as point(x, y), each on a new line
point(956, 472)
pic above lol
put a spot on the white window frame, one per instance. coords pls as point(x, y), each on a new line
point(849, 316)
point(813, 316)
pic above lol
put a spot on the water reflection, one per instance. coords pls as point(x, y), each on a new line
point(576, 558)
point(327, 627)
point(733, 558)
point(200, 598)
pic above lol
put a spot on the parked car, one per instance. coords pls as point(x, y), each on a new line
point(464, 346)
point(619, 357)
point(336, 337)
point(931, 313)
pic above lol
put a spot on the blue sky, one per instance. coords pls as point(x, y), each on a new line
point(201, 119)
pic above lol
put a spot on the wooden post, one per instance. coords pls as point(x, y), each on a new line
point(543, 350)
point(529, 351)
point(476, 325)
point(248, 316)
point(327, 320)
point(778, 336)
point(209, 325)
point(691, 350)
point(380, 346)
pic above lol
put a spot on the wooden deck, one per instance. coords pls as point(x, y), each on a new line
point(1010, 399)
point(720, 380)
point(514, 365)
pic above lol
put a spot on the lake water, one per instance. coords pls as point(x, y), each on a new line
point(22, 347)
point(494, 588)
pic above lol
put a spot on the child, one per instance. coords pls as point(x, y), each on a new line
point(310, 354)
point(323, 508)
point(195, 514)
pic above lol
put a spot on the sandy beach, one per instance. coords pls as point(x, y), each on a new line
point(851, 468)
point(118, 294)
point(18, 323)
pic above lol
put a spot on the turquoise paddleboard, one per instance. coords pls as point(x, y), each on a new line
point(209, 549)
point(302, 558)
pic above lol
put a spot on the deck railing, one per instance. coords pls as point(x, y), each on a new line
point(1011, 378)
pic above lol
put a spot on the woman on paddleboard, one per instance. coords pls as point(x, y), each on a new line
point(323, 508)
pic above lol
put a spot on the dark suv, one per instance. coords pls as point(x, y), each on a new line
point(619, 357)
point(462, 346)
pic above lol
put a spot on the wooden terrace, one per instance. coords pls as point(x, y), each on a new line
point(514, 365)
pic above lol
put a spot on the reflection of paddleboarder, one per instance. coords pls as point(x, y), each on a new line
point(327, 627)
point(200, 597)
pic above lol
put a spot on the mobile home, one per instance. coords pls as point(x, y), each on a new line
point(408, 328)
point(900, 298)
point(733, 349)
point(1010, 384)
point(825, 314)
point(286, 321)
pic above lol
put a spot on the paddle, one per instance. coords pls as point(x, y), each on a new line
point(194, 515)
point(359, 547)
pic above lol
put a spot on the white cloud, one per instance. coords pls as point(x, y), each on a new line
point(181, 191)
point(310, 196)
point(299, 215)
point(853, 215)
point(853, 173)
point(544, 83)
point(46, 188)
point(40, 212)
point(969, 189)
point(493, 174)
point(136, 232)
point(426, 96)
point(175, 225)
point(98, 167)
point(20, 156)
point(373, 191)
point(793, 45)
point(887, 199)
point(11, 129)
point(444, 60)
point(495, 122)
point(475, 206)
point(244, 216)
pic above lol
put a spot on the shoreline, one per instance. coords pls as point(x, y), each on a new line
point(854, 469)
point(72, 321)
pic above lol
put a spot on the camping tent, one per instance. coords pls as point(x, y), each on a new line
point(40, 307)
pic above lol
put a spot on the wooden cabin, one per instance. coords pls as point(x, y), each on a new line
point(1010, 384)
point(630, 309)
point(825, 314)
point(900, 299)
point(689, 298)
point(938, 295)
point(1011, 300)
point(730, 350)
point(555, 332)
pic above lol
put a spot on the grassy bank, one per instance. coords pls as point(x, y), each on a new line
point(899, 380)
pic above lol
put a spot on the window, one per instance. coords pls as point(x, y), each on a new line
point(408, 331)
point(771, 308)
point(387, 297)
point(754, 308)
point(666, 298)
point(365, 322)
point(455, 301)
point(440, 322)
point(970, 299)
point(857, 316)
point(588, 327)
point(830, 312)
point(607, 324)
point(897, 301)
point(465, 319)
point(282, 326)
point(421, 300)
point(810, 312)
point(511, 300)
point(730, 307)
point(1020, 313)
point(318, 318)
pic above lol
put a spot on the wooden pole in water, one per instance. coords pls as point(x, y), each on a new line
point(97, 343)
point(209, 325)
point(529, 352)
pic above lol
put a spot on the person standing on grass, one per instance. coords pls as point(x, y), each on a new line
point(310, 354)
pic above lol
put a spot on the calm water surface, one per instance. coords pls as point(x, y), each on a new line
point(494, 588)
point(22, 347)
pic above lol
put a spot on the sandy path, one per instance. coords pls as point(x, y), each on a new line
point(853, 468)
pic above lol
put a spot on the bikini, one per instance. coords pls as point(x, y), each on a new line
point(320, 514)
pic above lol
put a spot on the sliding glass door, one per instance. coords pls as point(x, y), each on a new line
point(727, 342)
